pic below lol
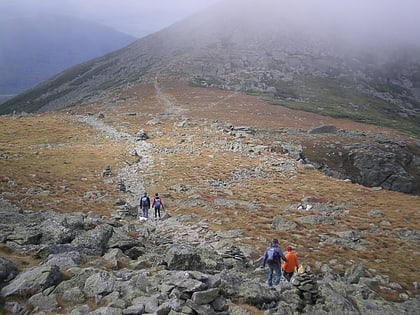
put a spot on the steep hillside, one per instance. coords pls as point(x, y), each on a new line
point(35, 48)
point(225, 164)
point(285, 57)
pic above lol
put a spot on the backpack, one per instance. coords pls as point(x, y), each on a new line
point(157, 202)
point(271, 255)
point(143, 201)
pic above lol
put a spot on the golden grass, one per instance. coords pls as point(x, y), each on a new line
point(52, 162)
point(58, 154)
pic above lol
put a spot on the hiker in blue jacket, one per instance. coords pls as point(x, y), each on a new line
point(272, 257)
point(145, 205)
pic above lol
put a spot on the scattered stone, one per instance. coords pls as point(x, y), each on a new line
point(141, 135)
point(323, 129)
point(134, 268)
point(107, 171)
point(121, 186)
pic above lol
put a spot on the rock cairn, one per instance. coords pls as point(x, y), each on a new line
point(92, 265)
point(307, 288)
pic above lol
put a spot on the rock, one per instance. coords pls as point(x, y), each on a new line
point(282, 224)
point(32, 281)
point(73, 295)
point(100, 283)
point(43, 302)
point(107, 171)
point(55, 231)
point(183, 258)
point(205, 297)
point(307, 287)
point(317, 220)
point(354, 274)
point(323, 129)
point(121, 186)
point(375, 213)
point(64, 260)
point(141, 135)
point(93, 242)
point(8, 270)
point(384, 166)
point(146, 268)
point(106, 311)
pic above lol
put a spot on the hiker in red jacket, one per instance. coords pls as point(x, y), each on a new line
point(157, 203)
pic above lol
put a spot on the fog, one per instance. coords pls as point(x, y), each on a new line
point(134, 17)
point(392, 21)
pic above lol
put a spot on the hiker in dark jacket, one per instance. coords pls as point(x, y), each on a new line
point(145, 205)
point(157, 203)
point(272, 257)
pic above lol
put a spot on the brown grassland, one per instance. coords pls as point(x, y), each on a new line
point(53, 161)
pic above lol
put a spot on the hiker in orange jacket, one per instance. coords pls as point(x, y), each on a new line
point(291, 265)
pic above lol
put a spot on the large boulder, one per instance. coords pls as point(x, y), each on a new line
point(93, 242)
point(8, 270)
point(378, 163)
point(183, 257)
point(386, 167)
point(32, 281)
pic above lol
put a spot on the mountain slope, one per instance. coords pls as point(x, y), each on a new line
point(290, 57)
point(35, 48)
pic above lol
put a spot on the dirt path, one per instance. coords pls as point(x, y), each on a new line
point(171, 108)
point(129, 174)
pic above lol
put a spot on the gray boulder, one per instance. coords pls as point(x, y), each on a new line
point(93, 242)
point(385, 165)
point(64, 260)
point(100, 283)
point(43, 301)
point(106, 311)
point(54, 231)
point(206, 296)
point(183, 257)
point(32, 281)
point(317, 220)
point(282, 224)
point(8, 270)
point(323, 129)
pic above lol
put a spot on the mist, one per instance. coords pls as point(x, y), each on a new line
point(355, 22)
point(133, 17)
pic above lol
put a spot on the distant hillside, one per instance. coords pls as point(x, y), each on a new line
point(305, 60)
point(34, 49)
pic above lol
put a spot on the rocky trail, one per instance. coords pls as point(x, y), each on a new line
point(199, 258)
point(178, 230)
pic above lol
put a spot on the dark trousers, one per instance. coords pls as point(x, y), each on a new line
point(157, 211)
point(287, 275)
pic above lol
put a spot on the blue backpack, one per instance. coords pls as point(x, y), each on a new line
point(271, 255)
point(157, 202)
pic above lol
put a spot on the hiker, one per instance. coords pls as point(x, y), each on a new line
point(291, 265)
point(157, 203)
point(145, 205)
point(272, 258)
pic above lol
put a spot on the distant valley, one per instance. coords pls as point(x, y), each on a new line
point(284, 57)
point(252, 121)
point(34, 49)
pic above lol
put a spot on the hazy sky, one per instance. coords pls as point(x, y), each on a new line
point(396, 19)
point(134, 17)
